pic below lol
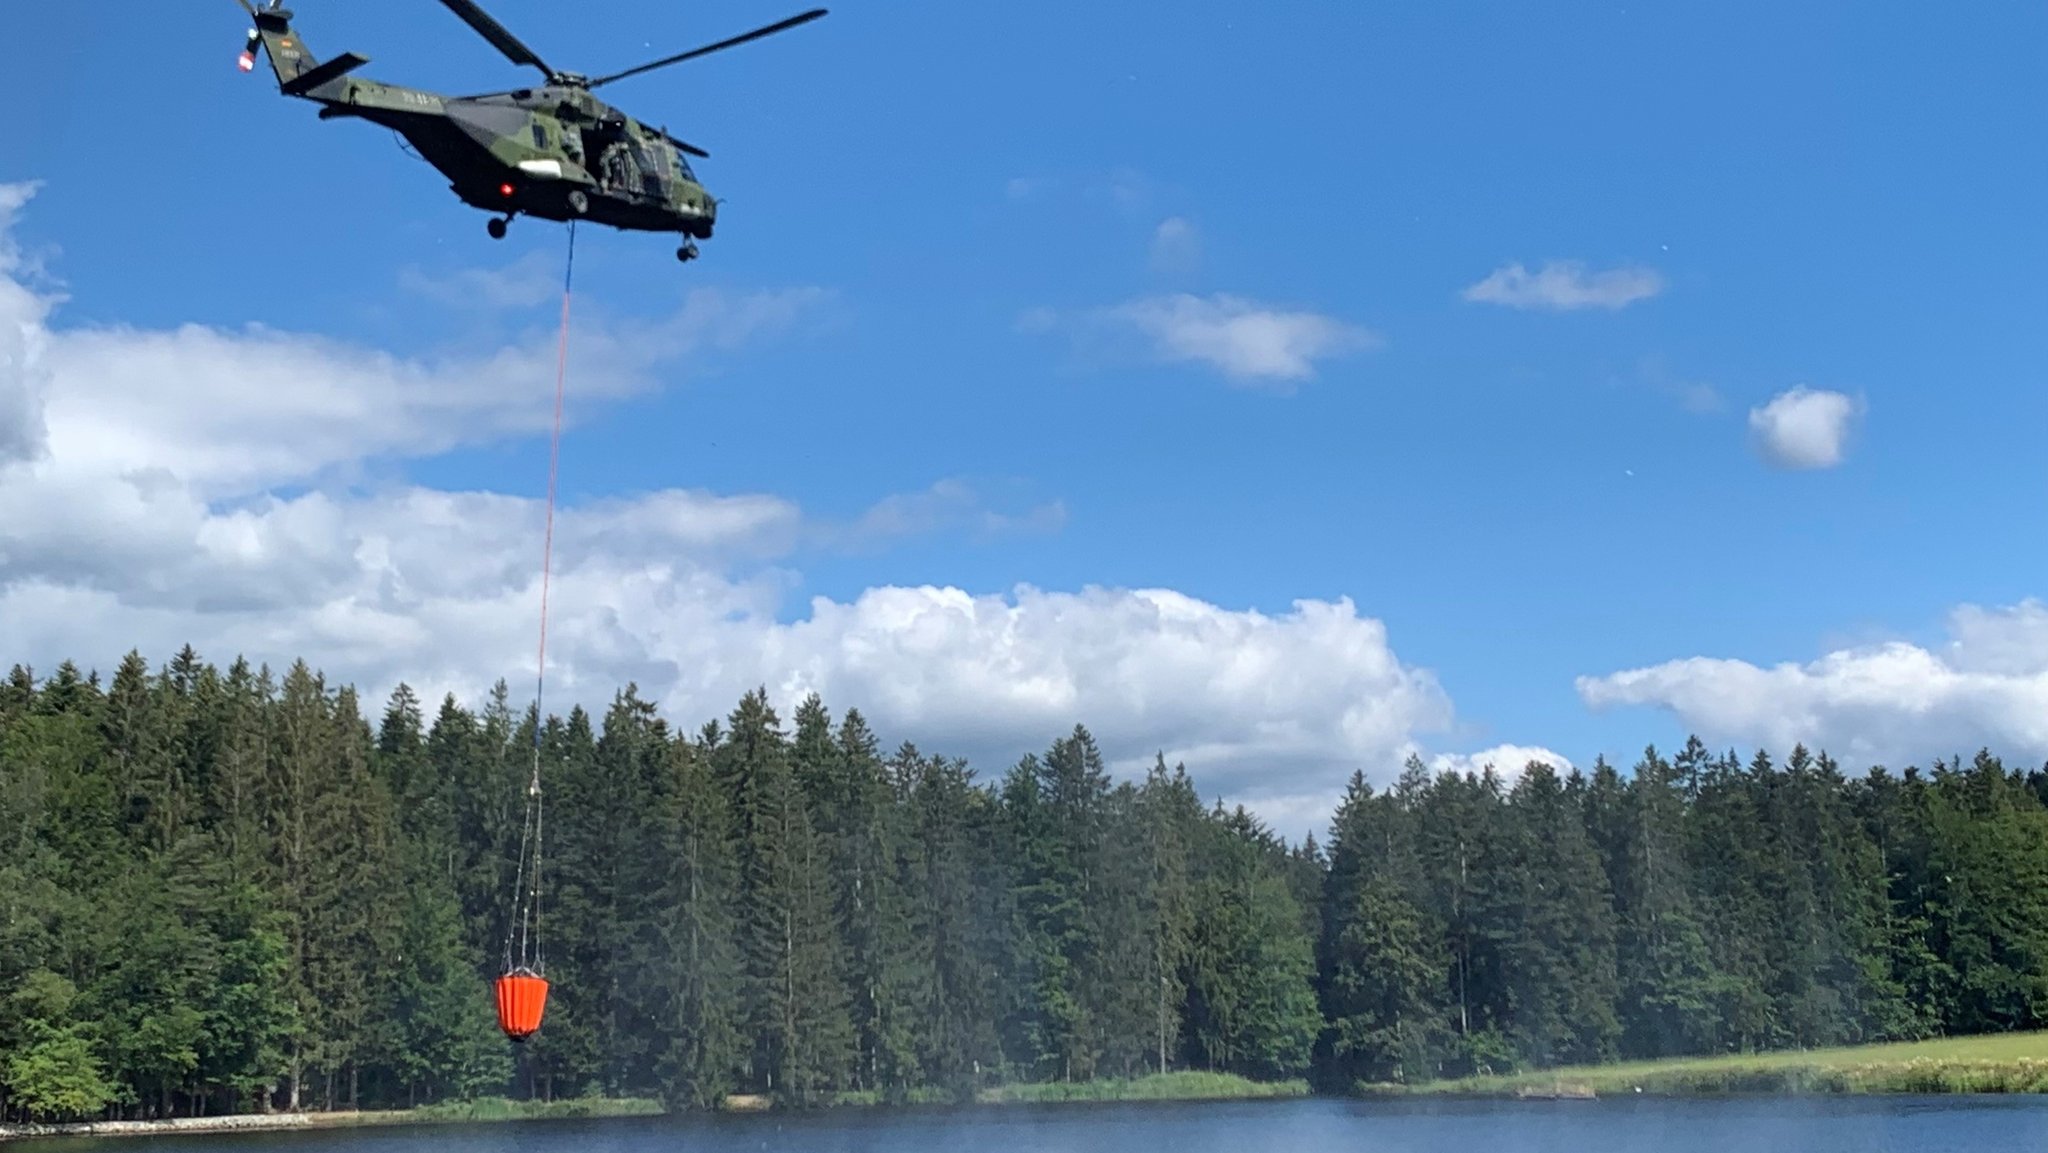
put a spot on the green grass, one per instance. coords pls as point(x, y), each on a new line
point(1188, 1085)
point(1184, 1086)
point(869, 1098)
point(1998, 1063)
point(1181, 1086)
point(496, 1109)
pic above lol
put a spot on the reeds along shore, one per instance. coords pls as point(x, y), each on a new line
point(2003, 1063)
point(1183, 1086)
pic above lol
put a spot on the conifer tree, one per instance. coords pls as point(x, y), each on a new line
point(228, 890)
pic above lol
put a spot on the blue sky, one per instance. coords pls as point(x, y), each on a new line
point(1838, 197)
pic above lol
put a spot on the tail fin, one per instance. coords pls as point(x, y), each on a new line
point(299, 72)
point(288, 55)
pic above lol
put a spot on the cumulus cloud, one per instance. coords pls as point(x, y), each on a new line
point(1243, 339)
point(253, 408)
point(182, 488)
point(1892, 703)
point(1804, 428)
point(1565, 286)
point(22, 340)
point(1507, 761)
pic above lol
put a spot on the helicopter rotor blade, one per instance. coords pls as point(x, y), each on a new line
point(247, 7)
point(706, 50)
point(491, 30)
point(684, 145)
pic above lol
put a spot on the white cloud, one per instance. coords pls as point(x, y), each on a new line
point(1176, 247)
point(1804, 428)
point(183, 490)
point(22, 340)
point(120, 397)
point(1693, 395)
point(1891, 703)
point(1508, 761)
point(948, 504)
point(1564, 286)
point(528, 281)
point(1243, 339)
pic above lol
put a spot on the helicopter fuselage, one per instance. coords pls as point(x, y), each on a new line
point(552, 151)
point(556, 154)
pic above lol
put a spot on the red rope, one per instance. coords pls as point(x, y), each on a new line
point(524, 929)
point(554, 461)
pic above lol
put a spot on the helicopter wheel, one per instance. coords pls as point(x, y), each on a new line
point(578, 202)
point(497, 227)
point(686, 253)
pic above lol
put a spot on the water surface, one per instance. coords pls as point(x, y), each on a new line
point(1811, 1125)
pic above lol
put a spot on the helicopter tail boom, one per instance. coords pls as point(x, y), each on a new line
point(299, 72)
point(320, 74)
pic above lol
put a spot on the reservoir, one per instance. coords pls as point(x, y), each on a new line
point(1828, 1124)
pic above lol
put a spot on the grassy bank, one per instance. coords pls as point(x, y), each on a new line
point(1183, 1086)
point(452, 1112)
point(501, 1109)
point(2000, 1063)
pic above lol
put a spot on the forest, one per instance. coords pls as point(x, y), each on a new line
point(234, 891)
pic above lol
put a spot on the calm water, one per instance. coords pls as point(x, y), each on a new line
point(1817, 1125)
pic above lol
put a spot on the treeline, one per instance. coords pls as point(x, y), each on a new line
point(227, 891)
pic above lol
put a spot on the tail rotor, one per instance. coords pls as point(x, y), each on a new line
point(247, 62)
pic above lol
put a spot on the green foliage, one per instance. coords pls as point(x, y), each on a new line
point(228, 891)
point(56, 1075)
point(1998, 1063)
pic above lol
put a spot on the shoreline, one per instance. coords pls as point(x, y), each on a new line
point(2001, 1063)
point(1190, 1087)
point(2011, 1063)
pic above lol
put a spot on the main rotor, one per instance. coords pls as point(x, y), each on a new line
point(518, 53)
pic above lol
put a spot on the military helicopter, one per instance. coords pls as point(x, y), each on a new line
point(553, 151)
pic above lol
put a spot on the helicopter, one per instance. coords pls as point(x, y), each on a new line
point(552, 151)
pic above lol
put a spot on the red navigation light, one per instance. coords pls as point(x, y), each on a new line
point(504, 190)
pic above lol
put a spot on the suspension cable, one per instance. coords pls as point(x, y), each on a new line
point(554, 462)
point(526, 917)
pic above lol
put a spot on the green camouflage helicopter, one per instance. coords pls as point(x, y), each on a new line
point(553, 151)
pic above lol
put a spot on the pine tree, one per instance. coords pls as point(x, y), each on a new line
point(702, 969)
point(1382, 958)
point(1171, 815)
point(1560, 954)
point(795, 1004)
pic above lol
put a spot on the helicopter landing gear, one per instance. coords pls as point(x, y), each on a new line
point(578, 202)
point(496, 227)
point(687, 252)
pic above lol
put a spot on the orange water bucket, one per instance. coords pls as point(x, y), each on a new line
point(522, 998)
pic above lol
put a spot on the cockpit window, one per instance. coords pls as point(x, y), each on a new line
point(682, 168)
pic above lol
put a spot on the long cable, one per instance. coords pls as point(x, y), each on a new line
point(527, 918)
point(554, 463)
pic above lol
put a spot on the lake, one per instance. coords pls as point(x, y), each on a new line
point(1810, 1125)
